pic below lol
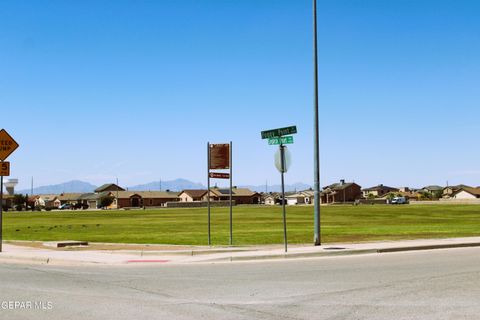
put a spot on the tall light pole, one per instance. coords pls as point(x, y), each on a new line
point(316, 147)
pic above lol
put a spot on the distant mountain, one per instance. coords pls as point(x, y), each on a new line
point(70, 187)
point(173, 185)
point(278, 188)
point(77, 186)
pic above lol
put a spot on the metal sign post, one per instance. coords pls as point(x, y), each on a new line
point(282, 156)
point(220, 158)
point(7, 146)
point(1, 212)
point(208, 192)
point(231, 201)
point(281, 136)
point(282, 163)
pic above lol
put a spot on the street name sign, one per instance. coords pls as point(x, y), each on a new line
point(219, 175)
point(280, 140)
point(7, 145)
point(279, 132)
point(4, 169)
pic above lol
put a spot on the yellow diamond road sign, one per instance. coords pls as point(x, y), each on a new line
point(7, 145)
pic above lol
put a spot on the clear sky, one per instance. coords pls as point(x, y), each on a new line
point(94, 90)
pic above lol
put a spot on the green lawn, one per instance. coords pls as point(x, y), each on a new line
point(252, 225)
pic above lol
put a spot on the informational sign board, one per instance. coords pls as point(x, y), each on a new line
point(7, 145)
point(279, 132)
point(4, 169)
point(219, 156)
point(219, 175)
point(280, 140)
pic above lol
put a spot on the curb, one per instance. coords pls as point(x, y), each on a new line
point(430, 247)
point(342, 253)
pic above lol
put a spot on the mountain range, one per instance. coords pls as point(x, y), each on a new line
point(74, 186)
point(77, 186)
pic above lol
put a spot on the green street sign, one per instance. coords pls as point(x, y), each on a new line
point(281, 140)
point(279, 132)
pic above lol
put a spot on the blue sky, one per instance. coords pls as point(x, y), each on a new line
point(94, 90)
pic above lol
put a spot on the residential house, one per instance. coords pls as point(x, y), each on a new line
point(271, 199)
point(341, 192)
point(309, 196)
point(191, 195)
point(70, 198)
point(432, 190)
point(466, 193)
point(7, 200)
point(378, 191)
point(448, 191)
point(239, 195)
point(156, 198)
point(47, 201)
point(93, 200)
point(294, 199)
point(108, 187)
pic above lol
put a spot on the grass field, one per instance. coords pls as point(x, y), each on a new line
point(252, 225)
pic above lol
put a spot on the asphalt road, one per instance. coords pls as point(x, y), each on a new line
point(441, 284)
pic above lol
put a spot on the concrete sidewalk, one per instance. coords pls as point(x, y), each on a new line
point(22, 254)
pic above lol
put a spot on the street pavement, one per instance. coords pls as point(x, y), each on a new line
point(431, 284)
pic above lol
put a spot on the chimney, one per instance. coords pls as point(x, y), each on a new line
point(342, 182)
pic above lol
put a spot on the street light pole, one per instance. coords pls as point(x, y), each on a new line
point(316, 150)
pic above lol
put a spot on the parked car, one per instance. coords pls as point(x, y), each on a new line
point(65, 206)
point(80, 206)
point(399, 200)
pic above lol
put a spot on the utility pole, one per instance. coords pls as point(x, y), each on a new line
point(316, 143)
point(117, 193)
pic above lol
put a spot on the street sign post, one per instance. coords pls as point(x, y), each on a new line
point(7, 146)
point(281, 136)
point(280, 140)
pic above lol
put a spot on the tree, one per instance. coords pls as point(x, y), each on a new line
point(18, 201)
point(106, 201)
point(425, 195)
point(438, 194)
point(390, 196)
point(370, 196)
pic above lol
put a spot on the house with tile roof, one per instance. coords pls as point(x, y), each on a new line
point(378, 191)
point(239, 195)
point(192, 195)
point(466, 193)
point(341, 192)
